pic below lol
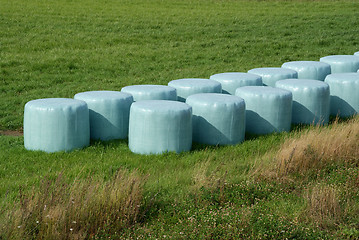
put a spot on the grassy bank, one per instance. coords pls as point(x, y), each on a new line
point(256, 190)
point(269, 187)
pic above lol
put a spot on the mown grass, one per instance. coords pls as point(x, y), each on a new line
point(59, 48)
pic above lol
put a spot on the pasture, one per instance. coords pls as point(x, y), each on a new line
point(254, 190)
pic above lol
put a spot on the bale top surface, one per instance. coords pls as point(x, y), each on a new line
point(340, 58)
point(214, 98)
point(160, 106)
point(301, 83)
point(55, 103)
point(229, 76)
point(96, 95)
point(343, 77)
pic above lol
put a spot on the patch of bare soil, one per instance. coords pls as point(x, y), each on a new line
point(11, 133)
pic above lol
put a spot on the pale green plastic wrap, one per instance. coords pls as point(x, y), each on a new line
point(344, 93)
point(268, 109)
point(310, 100)
point(309, 69)
point(356, 54)
point(272, 74)
point(342, 63)
point(158, 126)
point(230, 81)
point(218, 119)
point(109, 113)
point(56, 124)
point(151, 92)
point(189, 86)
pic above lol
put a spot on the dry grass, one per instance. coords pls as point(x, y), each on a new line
point(205, 179)
point(323, 206)
point(313, 149)
point(77, 211)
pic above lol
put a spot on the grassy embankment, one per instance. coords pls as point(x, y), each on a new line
point(259, 189)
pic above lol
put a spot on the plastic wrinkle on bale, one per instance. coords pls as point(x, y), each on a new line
point(56, 124)
point(189, 86)
point(230, 81)
point(309, 69)
point(310, 100)
point(158, 126)
point(272, 74)
point(109, 113)
point(268, 109)
point(151, 92)
point(356, 54)
point(218, 119)
point(342, 63)
point(344, 94)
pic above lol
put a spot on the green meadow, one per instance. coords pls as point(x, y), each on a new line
point(253, 190)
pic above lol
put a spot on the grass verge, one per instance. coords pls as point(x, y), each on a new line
point(320, 202)
point(316, 148)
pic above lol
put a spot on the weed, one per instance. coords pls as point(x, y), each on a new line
point(315, 148)
point(76, 211)
point(323, 206)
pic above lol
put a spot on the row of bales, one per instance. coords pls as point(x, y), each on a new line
point(215, 111)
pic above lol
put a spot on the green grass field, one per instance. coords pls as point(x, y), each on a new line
point(59, 48)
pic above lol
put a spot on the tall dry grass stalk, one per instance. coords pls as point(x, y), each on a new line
point(77, 211)
point(318, 146)
point(202, 177)
point(323, 206)
point(205, 179)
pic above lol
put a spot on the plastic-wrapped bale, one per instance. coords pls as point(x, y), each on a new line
point(268, 109)
point(109, 113)
point(151, 92)
point(344, 93)
point(218, 119)
point(158, 126)
point(230, 81)
point(310, 100)
point(342, 63)
point(189, 86)
point(272, 74)
point(56, 124)
point(309, 69)
point(356, 54)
